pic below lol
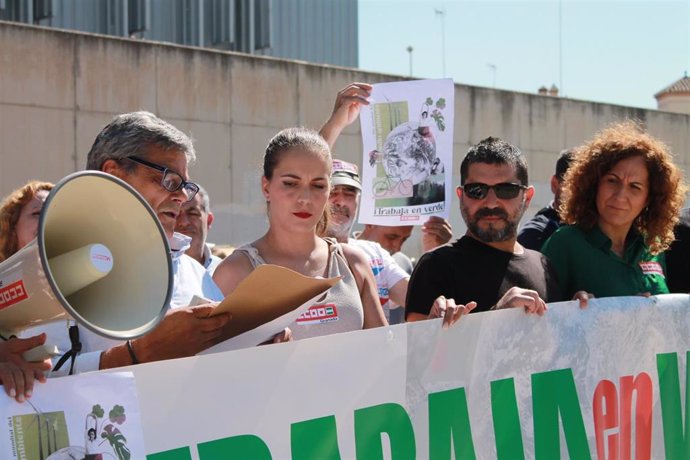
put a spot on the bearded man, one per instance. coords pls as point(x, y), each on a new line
point(487, 265)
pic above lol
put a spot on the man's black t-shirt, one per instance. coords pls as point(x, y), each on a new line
point(469, 270)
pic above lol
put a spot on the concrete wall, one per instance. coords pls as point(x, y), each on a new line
point(58, 89)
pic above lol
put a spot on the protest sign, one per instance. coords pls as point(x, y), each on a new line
point(407, 136)
point(90, 416)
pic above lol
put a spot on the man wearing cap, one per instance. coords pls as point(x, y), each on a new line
point(391, 280)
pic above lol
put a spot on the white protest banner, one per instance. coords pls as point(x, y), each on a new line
point(604, 382)
point(407, 134)
point(90, 416)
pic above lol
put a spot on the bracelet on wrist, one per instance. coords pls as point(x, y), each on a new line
point(132, 355)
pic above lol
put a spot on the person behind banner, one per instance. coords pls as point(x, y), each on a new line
point(19, 213)
point(296, 184)
point(391, 279)
point(547, 220)
point(152, 156)
point(487, 267)
point(195, 220)
point(678, 256)
point(622, 198)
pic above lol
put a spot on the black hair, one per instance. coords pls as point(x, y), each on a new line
point(495, 151)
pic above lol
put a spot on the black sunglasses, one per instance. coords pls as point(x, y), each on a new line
point(503, 191)
point(171, 180)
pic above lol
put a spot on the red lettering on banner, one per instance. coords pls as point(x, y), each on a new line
point(12, 294)
point(605, 413)
point(612, 411)
point(642, 386)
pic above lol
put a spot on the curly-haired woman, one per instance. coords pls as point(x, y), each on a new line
point(622, 196)
point(19, 216)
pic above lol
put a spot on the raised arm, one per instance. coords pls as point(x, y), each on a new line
point(345, 110)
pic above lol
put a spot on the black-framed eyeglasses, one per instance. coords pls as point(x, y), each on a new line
point(503, 191)
point(171, 180)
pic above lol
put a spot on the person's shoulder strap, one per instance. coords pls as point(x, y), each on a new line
point(251, 253)
point(336, 249)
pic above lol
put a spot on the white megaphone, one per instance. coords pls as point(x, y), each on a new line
point(100, 257)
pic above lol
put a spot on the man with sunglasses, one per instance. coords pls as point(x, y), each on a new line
point(487, 265)
point(152, 156)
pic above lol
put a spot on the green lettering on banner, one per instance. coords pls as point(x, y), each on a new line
point(506, 418)
point(372, 422)
point(235, 447)
point(554, 392)
point(316, 438)
point(183, 453)
point(449, 423)
point(676, 433)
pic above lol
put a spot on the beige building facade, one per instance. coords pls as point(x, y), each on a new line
point(58, 89)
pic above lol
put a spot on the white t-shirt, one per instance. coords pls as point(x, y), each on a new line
point(386, 272)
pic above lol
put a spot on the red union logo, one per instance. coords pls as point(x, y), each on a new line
point(12, 294)
point(319, 314)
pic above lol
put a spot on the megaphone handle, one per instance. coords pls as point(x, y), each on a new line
point(40, 353)
point(72, 353)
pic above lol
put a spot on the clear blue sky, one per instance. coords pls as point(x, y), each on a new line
point(615, 51)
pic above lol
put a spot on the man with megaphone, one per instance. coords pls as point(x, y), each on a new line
point(151, 156)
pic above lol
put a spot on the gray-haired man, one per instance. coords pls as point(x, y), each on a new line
point(152, 156)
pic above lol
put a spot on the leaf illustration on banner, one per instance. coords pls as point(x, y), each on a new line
point(97, 411)
point(117, 415)
point(110, 433)
point(438, 118)
point(117, 441)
